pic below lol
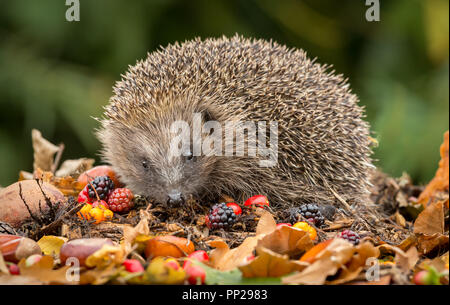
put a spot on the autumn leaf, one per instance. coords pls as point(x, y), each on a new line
point(270, 264)
point(43, 272)
point(440, 182)
point(107, 255)
point(131, 233)
point(286, 240)
point(430, 220)
point(338, 255)
point(74, 168)
point(44, 151)
point(51, 245)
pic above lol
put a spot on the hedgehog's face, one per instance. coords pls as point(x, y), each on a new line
point(151, 163)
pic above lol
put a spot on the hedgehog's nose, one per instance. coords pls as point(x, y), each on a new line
point(175, 198)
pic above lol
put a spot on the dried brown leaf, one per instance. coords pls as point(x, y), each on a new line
point(430, 220)
point(74, 168)
point(44, 151)
point(270, 264)
point(287, 240)
point(328, 262)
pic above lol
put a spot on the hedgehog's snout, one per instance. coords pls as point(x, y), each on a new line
point(175, 197)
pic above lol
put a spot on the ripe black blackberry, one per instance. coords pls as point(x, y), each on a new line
point(311, 212)
point(220, 217)
point(103, 186)
point(350, 236)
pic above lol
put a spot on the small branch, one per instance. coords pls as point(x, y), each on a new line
point(50, 227)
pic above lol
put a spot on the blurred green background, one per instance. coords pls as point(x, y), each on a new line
point(56, 75)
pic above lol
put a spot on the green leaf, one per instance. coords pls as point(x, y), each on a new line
point(233, 277)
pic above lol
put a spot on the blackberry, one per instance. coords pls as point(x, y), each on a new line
point(350, 236)
point(103, 186)
point(220, 217)
point(311, 212)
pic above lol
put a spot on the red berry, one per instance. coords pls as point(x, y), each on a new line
point(284, 224)
point(83, 196)
point(133, 265)
point(172, 263)
point(100, 204)
point(236, 208)
point(249, 258)
point(13, 269)
point(199, 255)
point(121, 200)
point(350, 236)
point(258, 200)
point(195, 274)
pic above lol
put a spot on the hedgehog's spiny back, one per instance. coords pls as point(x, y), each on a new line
point(323, 139)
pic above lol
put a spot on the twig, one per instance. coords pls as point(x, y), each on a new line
point(48, 228)
point(348, 208)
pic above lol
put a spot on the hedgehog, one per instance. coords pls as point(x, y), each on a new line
point(322, 150)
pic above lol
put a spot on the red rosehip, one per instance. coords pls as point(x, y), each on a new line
point(236, 208)
point(284, 224)
point(133, 265)
point(172, 263)
point(83, 196)
point(199, 255)
point(13, 268)
point(258, 200)
point(100, 204)
point(195, 274)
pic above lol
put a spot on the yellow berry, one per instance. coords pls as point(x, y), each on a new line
point(304, 226)
point(108, 214)
point(97, 214)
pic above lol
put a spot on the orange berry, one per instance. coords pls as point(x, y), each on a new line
point(84, 212)
point(302, 225)
point(97, 214)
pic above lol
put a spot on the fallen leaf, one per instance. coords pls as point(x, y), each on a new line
point(266, 224)
point(286, 240)
point(43, 272)
point(74, 168)
point(44, 151)
point(222, 258)
point(99, 276)
point(68, 185)
point(404, 260)
point(327, 263)
point(270, 264)
point(428, 243)
point(440, 182)
point(3, 267)
point(130, 233)
point(107, 255)
point(431, 220)
point(51, 245)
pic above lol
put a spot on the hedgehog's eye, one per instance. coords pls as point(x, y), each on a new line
point(190, 157)
point(145, 164)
